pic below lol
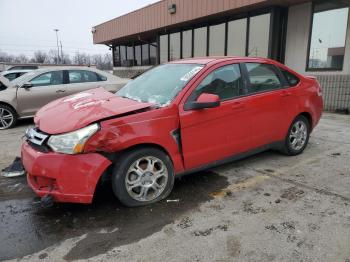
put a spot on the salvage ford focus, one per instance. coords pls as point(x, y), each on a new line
point(177, 118)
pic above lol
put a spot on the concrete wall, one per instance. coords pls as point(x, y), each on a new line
point(298, 33)
point(130, 72)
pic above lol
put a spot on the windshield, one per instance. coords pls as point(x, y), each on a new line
point(161, 84)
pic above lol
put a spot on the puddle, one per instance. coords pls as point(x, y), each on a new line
point(26, 228)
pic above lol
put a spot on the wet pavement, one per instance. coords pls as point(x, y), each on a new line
point(26, 227)
point(268, 207)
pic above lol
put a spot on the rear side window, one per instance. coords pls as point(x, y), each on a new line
point(49, 78)
point(292, 79)
point(226, 82)
point(11, 76)
point(82, 76)
point(262, 77)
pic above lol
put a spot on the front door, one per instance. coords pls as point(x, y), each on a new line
point(213, 134)
point(45, 88)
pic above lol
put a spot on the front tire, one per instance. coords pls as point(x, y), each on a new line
point(142, 176)
point(297, 137)
point(8, 117)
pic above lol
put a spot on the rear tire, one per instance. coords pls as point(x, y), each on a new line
point(8, 117)
point(142, 176)
point(297, 137)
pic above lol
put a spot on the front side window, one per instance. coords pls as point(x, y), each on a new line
point(161, 84)
point(262, 77)
point(226, 82)
point(327, 46)
point(50, 78)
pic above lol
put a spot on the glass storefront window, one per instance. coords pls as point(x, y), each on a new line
point(200, 41)
point(187, 44)
point(174, 51)
point(153, 53)
point(327, 47)
point(130, 54)
point(116, 56)
point(237, 37)
point(137, 55)
point(163, 49)
point(145, 54)
point(217, 40)
point(122, 55)
point(259, 34)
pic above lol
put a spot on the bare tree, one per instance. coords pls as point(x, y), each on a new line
point(21, 59)
point(40, 57)
point(82, 59)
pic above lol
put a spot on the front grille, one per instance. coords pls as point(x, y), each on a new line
point(35, 136)
point(37, 139)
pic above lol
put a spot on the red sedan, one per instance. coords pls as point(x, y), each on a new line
point(177, 118)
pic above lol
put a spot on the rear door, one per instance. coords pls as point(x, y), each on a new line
point(213, 134)
point(45, 88)
point(272, 103)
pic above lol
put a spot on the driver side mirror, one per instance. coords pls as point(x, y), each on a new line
point(27, 85)
point(205, 100)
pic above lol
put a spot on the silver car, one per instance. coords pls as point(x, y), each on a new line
point(25, 95)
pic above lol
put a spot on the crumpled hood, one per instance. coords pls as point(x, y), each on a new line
point(77, 111)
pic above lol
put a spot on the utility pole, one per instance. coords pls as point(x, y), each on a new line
point(58, 48)
point(62, 60)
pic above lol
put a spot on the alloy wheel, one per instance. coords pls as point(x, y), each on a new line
point(146, 178)
point(6, 118)
point(298, 135)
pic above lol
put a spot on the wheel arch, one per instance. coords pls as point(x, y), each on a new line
point(9, 105)
point(308, 116)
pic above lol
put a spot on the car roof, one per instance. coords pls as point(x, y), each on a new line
point(57, 68)
point(217, 59)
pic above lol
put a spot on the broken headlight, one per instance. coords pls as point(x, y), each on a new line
point(73, 142)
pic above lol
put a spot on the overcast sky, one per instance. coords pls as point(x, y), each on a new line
point(27, 25)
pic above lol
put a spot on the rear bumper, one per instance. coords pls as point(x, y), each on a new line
point(67, 178)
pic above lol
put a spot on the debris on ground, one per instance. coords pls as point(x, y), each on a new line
point(15, 169)
point(292, 193)
point(172, 200)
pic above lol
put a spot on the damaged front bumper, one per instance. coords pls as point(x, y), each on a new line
point(67, 178)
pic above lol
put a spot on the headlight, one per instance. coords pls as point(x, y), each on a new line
point(72, 143)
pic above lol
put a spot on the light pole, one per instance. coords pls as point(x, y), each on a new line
point(58, 48)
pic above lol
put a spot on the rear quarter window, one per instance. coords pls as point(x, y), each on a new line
point(292, 79)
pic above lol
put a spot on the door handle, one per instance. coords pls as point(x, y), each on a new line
point(237, 105)
point(286, 93)
point(60, 91)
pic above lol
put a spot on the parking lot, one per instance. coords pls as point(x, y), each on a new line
point(268, 207)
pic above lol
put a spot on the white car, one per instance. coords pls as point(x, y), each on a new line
point(25, 95)
point(13, 74)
